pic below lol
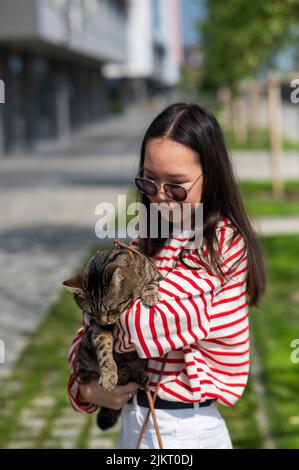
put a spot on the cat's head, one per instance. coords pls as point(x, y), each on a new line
point(105, 287)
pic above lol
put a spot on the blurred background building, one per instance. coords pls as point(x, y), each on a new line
point(69, 63)
point(154, 50)
point(80, 81)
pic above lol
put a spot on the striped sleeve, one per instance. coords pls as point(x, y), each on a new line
point(182, 315)
point(232, 249)
point(73, 385)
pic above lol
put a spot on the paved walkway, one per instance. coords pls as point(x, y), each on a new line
point(257, 165)
point(62, 432)
point(276, 225)
point(47, 204)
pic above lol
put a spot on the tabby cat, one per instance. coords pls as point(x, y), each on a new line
point(108, 284)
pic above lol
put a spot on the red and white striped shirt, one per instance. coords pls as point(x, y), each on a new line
point(201, 321)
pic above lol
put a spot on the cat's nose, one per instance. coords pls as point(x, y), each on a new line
point(103, 319)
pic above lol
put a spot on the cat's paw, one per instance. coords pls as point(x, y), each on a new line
point(109, 380)
point(150, 297)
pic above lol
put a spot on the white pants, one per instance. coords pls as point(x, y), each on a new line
point(185, 428)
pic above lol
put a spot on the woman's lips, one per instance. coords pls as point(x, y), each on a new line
point(167, 207)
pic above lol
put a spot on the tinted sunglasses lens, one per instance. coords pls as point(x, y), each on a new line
point(175, 192)
point(146, 186)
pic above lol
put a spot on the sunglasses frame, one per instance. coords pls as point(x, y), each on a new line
point(158, 187)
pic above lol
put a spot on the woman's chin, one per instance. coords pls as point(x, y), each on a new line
point(170, 216)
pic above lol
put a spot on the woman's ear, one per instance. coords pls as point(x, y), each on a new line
point(74, 284)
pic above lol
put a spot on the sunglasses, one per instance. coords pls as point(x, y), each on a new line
point(174, 191)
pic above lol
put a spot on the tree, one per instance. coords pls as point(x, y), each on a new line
point(240, 36)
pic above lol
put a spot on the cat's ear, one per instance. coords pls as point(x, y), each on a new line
point(117, 276)
point(74, 284)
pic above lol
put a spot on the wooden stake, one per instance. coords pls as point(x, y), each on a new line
point(275, 134)
point(254, 112)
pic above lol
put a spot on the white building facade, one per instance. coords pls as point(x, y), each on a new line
point(155, 51)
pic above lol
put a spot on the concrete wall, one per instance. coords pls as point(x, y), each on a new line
point(92, 29)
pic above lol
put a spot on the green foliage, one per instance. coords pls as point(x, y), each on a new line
point(42, 370)
point(116, 105)
point(240, 36)
point(259, 201)
point(260, 140)
point(274, 325)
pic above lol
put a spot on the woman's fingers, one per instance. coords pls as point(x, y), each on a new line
point(114, 399)
point(123, 393)
point(131, 387)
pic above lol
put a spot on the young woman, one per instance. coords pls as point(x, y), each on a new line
point(201, 319)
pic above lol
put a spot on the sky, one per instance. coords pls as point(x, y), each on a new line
point(192, 11)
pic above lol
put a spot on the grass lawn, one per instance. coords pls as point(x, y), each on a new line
point(262, 141)
point(257, 196)
point(274, 326)
point(43, 370)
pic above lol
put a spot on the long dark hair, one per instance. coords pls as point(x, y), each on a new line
point(195, 127)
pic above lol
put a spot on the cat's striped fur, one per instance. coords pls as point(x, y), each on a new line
point(108, 284)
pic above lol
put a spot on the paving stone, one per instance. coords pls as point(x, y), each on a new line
point(66, 422)
point(32, 423)
point(48, 220)
point(96, 431)
point(65, 432)
point(101, 443)
point(68, 444)
point(28, 237)
point(12, 386)
point(27, 414)
point(43, 402)
point(21, 445)
point(50, 380)
point(22, 433)
point(69, 412)
point(51, 444)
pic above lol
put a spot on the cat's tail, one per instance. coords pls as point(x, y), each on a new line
point(107, 418)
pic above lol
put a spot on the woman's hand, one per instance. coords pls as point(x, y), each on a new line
point(115, 399)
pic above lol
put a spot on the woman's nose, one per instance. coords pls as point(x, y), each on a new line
point(161, 196)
